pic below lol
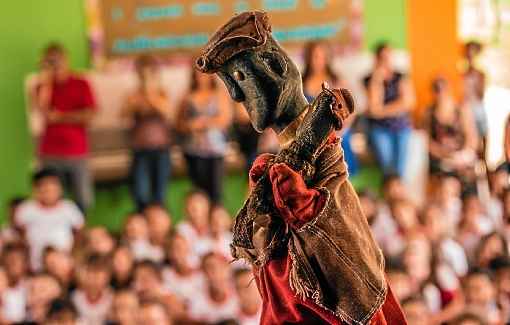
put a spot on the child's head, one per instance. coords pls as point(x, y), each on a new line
point(15, 261)
point(147, 279)
point(479, 290)
point(197, 210)
point(500, 267)
point(471, 206)
point(159, 223)
point(125, 307)
point(416, 310)
point(399, 280)
point(122, 262)
point(405, 214)
point(220, 220)
point(152, 312)
point(435, 222)
point(59, 264)
point(136, 228)
point(94, 275)
point(449, 188)
point(42, 289)
point(178, 250)
point(417, 260)
point(491, 246)
point(47, 187)
point(247, 292)
point(216, 270)
point(61, 312)
point(499, 180)
point(99, 241)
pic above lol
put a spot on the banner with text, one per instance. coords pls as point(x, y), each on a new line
point(163, 26)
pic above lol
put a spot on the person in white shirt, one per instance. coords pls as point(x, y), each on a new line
point(182, 278)
point(250, 304)
point(15, 261)
point(47, 219)
point(125, 308)
point(93, 298)
point(148, 284)
point(195, 228)
point(159, 224)
point(220, 235)
point(153, 312)
point(136, 234)
point(218, 302)
point(449, 251)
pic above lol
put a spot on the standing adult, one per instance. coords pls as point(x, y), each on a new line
point(317, 70)
point(67, 104)
point(474, 89)
point(203, 119)
point(390, 98)
point(148, 108)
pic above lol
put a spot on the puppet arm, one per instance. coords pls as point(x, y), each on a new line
point(296, 203)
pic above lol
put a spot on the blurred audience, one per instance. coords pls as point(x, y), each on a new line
point(202, 120)
point(390, 99)
point(148, 109)
point(453, 136)
point(67, 104)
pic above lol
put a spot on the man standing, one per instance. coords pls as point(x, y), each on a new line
point(67, 105)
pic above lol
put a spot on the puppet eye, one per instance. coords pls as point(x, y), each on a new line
point(238, 75)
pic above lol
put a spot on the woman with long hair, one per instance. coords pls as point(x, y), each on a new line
point(317, 69)
point(202, 120)
point(148, 109)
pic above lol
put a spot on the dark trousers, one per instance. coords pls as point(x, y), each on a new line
point(150, 170)
point(206, 173)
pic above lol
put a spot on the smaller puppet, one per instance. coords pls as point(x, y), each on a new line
point(302, 228)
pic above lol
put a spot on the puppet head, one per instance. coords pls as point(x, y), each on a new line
point(255, 70)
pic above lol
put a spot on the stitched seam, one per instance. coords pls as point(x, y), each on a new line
point(312, 222)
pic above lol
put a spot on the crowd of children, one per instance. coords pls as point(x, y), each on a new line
point(448, 259)
point(55, 271)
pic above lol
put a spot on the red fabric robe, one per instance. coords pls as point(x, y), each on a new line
point(298, 204)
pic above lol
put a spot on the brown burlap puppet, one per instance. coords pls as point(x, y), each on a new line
point(302, 228)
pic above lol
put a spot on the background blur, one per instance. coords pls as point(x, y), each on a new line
point(168, 152)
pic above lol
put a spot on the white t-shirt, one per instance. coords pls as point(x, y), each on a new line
point(48, 227)
point(92, 313)
point(244, 319)
point(14, 302)
point(203, 309)
point(144, 250)
point(453, 254)
point(184, 287)
point(199, 244)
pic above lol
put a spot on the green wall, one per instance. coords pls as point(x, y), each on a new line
point(26, 26)
point(385, 20)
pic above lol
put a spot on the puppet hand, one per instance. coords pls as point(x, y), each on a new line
point(258, 168)
point(296, 203)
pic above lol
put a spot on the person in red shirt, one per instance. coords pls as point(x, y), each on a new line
point(67, 104)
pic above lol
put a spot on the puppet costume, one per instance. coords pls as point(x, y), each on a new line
point(302, 228)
